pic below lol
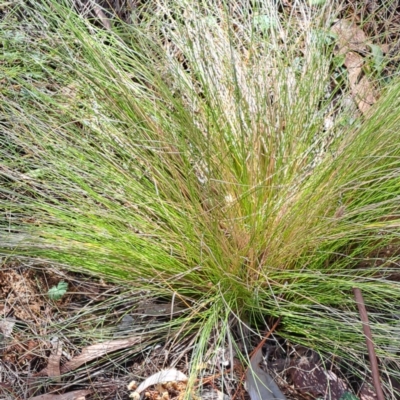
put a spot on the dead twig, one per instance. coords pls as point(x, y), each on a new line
point(370, 345)
point(268, 334)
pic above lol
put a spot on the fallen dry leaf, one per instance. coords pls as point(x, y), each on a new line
point(167, 375)
point(350, 40)
point(53, 365)
point(362, 90)
point(97, 350)
point(75, 395)
point(103, 18)
point(349, 37)
point(353, 62)
point(364, 95)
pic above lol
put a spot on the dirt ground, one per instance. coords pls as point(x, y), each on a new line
point(91, 344)
point(91, 336)
point(99, 340)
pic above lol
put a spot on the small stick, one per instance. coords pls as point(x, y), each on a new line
point(269, 333)
point(370, 345)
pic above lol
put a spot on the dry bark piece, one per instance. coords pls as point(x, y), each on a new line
point(98, 350)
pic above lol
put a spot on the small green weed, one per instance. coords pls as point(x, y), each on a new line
point(57, 292)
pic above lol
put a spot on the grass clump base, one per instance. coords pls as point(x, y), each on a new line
point(205, 153)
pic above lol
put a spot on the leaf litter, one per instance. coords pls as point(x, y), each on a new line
point(59, 356)
point(352, 44)
point(56, 359)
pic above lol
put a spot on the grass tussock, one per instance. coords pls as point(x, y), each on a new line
point(205, 152)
